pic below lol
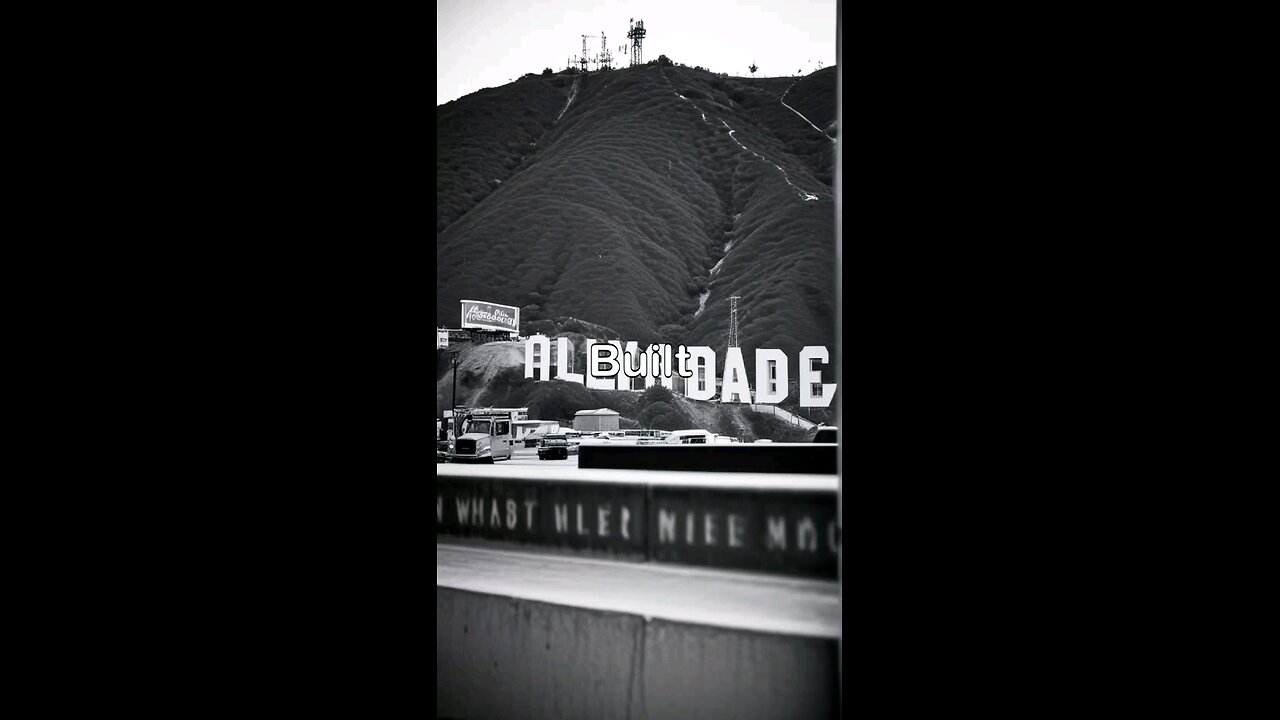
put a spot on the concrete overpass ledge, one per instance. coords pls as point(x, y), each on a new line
point(523, 635)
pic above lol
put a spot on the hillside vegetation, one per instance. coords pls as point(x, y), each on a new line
point(482, 138)
point(660, 192)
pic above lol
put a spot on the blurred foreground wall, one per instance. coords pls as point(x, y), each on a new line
point(499, 657)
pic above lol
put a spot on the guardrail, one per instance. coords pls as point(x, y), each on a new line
point(789, 417)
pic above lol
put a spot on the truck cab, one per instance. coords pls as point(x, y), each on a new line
point(484, 436)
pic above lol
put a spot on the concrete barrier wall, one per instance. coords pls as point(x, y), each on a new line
point(806, 458)
point(775, 529)
point(500, 658)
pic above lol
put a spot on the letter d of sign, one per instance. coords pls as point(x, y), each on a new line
point(702, 359)
point(779, 378)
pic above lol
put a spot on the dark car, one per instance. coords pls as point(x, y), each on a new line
point(554, 447)
point(825, 435)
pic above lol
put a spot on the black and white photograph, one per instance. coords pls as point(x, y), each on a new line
point(638, 360)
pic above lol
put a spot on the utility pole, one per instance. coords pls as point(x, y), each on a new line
point(454, 355)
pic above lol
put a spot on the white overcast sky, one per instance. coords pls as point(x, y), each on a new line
point(487, 43)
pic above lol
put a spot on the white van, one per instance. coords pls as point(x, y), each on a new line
point(691, 437)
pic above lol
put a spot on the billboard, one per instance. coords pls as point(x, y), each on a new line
point(490, 316)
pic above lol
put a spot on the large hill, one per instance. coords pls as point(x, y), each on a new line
point(642, 199)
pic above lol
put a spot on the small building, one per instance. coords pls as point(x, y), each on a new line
point(599, 420)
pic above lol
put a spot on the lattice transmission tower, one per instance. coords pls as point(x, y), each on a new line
point(733, 321)
point(606, 57)
point(636, 35)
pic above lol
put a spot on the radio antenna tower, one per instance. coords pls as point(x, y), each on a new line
point(583, 59)
point(733, 321)
point(636, 35)
point(606, 58)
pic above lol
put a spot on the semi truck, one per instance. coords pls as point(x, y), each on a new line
point(484, 435)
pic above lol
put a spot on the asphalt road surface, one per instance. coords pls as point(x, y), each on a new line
point(529, 456)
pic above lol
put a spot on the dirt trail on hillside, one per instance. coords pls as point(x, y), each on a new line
point(802, 117)
point(805, 195)
point(572, 95)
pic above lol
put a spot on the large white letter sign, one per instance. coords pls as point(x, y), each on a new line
point(533, 345)
point(766, 358)
point(564, 352)
point(602, 365)
point(809, 378)
point(702, 360)
point(735, 388)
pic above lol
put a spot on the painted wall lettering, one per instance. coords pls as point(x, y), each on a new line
point(807, 535)
point(790, 532)
point(666, 526)
point(777, 533)
point(735, 531)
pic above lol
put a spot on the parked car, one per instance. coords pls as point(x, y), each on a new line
point(554, 447)
point(824, 435)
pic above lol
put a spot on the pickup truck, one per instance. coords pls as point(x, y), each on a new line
point(554, 447)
